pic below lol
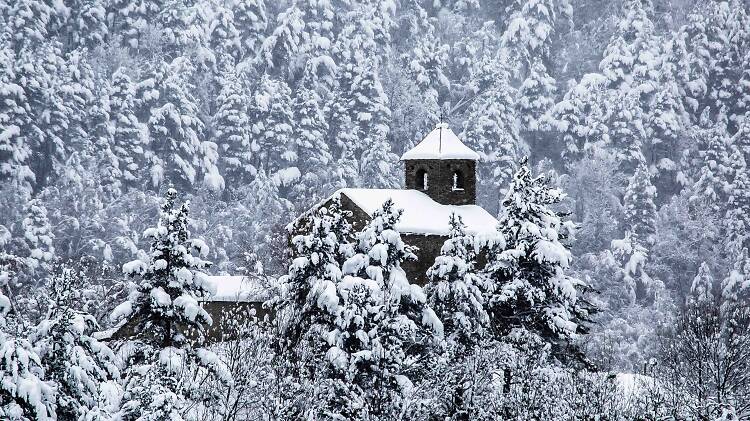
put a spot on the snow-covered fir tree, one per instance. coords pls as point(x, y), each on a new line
point(491, 130)
point(309, 303)
point(639, 209)
point(128, 134)
point(24, 394)
point(530, 289)
point(38, 237)
point(231, 127)
point(386, 329)
point(456, 290)
point(74, 362)
point(168, 322)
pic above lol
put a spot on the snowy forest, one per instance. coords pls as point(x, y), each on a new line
point(147, 144)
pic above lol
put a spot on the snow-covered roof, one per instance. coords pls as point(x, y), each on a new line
point(236, 288)
point(422, 215)
point(441, 143)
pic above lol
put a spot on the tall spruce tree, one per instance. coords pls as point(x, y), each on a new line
point(530, 289)
point(168, 322)
point(399, 328)
point(74, 361)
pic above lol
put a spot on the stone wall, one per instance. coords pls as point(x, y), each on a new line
point(440, 179)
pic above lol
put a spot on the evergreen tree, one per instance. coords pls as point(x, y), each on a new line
point(629, 60)
point(272, 130)
point(75, 362)
point(165, 312)
point(530, 290)
point(531, 28)
point(38, 237)
point(27, 23)
point(491, 130)
point(127, 133)
point(310, 302)
point(251, 21)
point(88, 23)
point(626, 135)
point(177, 152)
point(15, 148)
point(224, 38)
point(714, 176)
point(702, 289)
point(536, 96)
point(24, 395)
point(314, 157)
point(738, 213)
point(639, 208)
point(455, 291)
point(280, 49)
point(133, 18)
point(231, 127)
point(386, 328)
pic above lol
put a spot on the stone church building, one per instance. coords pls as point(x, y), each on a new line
point(439, 179)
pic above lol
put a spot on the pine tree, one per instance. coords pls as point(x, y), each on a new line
point(362, 136)
point(714, 176)
point(702, 289)
point(530, 290)
point(88, 23)
point(250, 20)
point(272, 130)
point(169, 324)
point(738, 213)
point(172, 279)
point(455, 291)
point(639, 208)
point(664, 124)
point(400, 326)
point(629, 58)
point(15, 148)
point(491, 130)
point(127, 132)
point(536, 96)
point(531, 28)
point(24, 395)
point(310, 298)
point(75, 362)
point(224, 38)
point(38, 236)
point(626, 135)
point(165, 102)
point(27, 23)
point(282, 47)
point(132, 18)
point(581, 118)
point(231, 127)
point(314, 158)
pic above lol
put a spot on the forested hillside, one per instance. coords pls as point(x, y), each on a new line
point(253, 110)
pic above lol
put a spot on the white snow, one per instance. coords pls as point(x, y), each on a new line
point(236, 288)
point(422, 215)
point(441, 143)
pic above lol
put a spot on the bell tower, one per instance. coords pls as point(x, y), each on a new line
point(442, 167)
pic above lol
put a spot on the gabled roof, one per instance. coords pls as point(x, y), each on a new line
point(231, 288)
point(441, 143)
point(422, 215)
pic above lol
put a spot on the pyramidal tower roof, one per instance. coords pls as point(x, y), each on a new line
point(441, 143)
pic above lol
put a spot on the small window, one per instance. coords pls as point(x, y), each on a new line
point(422, 180)
point(458, 180)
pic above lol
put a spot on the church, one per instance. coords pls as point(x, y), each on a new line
point(439, 179)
